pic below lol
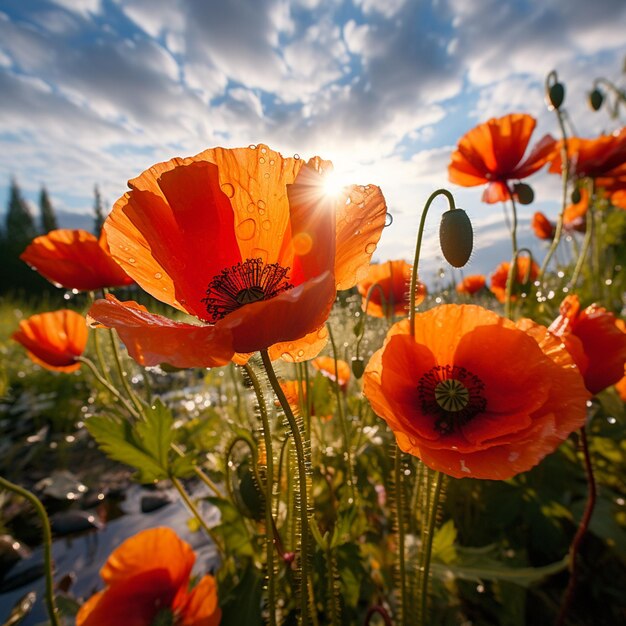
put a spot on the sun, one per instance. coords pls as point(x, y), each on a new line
point(334, 184)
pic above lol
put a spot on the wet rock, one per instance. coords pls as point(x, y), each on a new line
point(154, 502)
point(62, 485)
point(70, 522)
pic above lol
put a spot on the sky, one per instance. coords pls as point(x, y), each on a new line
point(96, 91)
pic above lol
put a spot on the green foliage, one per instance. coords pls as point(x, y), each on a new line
point(46, 212)
point(98, 211)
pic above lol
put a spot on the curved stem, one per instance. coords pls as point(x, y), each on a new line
point(418, 248)
point(400, 522)
point(118, 363)
point(194, 510)
point(100, 378)
point(269, 494)
point(342, 418)
point(580, 533)
point(302, 479)
point(427, 547)
point(199, 473)
point(47, 545)
point(586, 246)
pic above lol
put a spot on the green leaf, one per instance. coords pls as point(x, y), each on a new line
point(156, 432)
point(443, 543)
point(232, 528)
point(116, 439)
point(243, 604)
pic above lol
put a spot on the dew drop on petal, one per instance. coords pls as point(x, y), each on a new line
point(300, 352)
point(261, 204)
point(246, 229)
point(388, 220)
point(251, 207)
point(370, 247)
point(266, 224)
point(261, 160)
point(252, 146)
point(296, 157)
point(260, 253)
point(228, 189)
point(131, 260)
point(158, 275)
point(263, 150)
point(266, 175)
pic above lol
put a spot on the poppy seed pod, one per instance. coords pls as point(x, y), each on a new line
point(556, 95)
point(456, 237)
point(358, 367)
point(576, 196)
point(524, 193)
point(596, 98)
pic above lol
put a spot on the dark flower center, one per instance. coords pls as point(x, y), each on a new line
point(247, 282)
point(452, 395)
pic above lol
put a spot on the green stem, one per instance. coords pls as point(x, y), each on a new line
point(123, 377)
point(199, 473)
point(47, 545)
point(565, 167)
point(427, 547)
point(342, 419)
point(513, 265)
point(398, 480)
point(418, 248)
point(194, 510)
point(302, 479)
point(586, 246)
point(269, 494)
point(105, 383)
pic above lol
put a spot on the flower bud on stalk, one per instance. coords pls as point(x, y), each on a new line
point(556, 95)
point(524, 193)
point(456, 237)
point(596, 98)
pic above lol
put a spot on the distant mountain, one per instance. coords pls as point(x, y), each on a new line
point(67, 219)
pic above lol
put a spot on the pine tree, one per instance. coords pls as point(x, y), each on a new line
point(20, 225)
point(46, 212)
point(98, 211)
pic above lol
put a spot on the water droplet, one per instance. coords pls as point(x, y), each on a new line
point(266, 175)
point(252, 146)
point(296, 157)
point(272, 161)
point(300, 352)
point(388, 220)
point(261, 160)
point(263, 150)
point(246, 229)
point(322, 333)
point(260, 253)
point(131, 260)
point(370, 247)
point(251, 207)
point(261, 204)
point(158, 275)
point(228, 189)
point(261, 211)
point(266, 224)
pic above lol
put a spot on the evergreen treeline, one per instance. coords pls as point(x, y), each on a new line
point(19, 228)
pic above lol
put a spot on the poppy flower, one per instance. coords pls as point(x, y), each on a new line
point(592, 158)
point(54, 340)
point(543, 227)
point(527, 271)
point(247, 242)
point(491, 154)
point(474, 394)
point(393, 280)
point(297, 396)
point(147, 582)
point(596, 342)
point(471, 284)
point(75, 259)
point(574, 214)
point(326, 366)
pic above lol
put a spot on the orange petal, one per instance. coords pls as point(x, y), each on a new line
point(391, 281)
point(200, 607)
point(288, 316)
point(335, 370)
point(544, 151)
point(74, 259)
point(152, 339)
point(303, 349)
point(361, 216)
point(54, 339)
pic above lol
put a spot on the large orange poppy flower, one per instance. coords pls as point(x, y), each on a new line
point(393, 283)
point(54, 340)
point(75, 259)
point(492, 153)
point(246, 241)
point(527, 271)
point(147, 579)
point(592, 157)
point(473, 394)
point(471, 284)
point(596, 342)
point(542, 226)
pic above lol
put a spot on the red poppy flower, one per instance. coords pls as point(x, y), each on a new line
point(592, 157)
point(54, 340)
point(471, 284)
point(393, 280)
point(326, 365)
point(492, 154)
point(597, 344)
point(147, 579)
point(75, 259)
point(574, 214)
point(297, 396)
point(543, 227)
point(246, 241)
point(473, 394)
point(527, 271)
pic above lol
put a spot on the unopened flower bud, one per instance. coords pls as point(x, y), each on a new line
point(596, 98)
point(576, 197)
point(556, 95)
point(524, 193)
point(456, 237)
point(358, 367)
